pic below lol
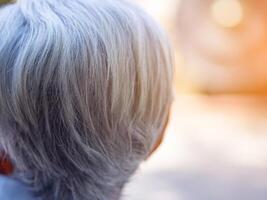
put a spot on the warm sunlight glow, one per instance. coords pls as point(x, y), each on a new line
point(227, 13)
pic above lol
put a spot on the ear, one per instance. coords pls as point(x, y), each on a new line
point(160, 138)
point(6, 167)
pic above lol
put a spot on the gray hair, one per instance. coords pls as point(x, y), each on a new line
point(85, 89)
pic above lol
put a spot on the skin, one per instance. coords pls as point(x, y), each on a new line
point(6, 167)
point(161, 137)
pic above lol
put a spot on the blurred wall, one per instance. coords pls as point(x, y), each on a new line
point(211, 56)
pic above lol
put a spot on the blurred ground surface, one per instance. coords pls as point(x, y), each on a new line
point(215, 149)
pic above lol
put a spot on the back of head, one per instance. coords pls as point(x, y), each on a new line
point(85, 89)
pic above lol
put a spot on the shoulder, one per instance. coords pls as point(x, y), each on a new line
point(10, 189)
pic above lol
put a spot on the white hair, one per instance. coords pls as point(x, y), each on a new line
point(85, 89)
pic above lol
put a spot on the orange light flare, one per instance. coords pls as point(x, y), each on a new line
point(227, 13)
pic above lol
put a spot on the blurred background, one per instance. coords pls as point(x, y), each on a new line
point(215, 146)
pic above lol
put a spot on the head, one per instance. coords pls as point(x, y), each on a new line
point(85, 92)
